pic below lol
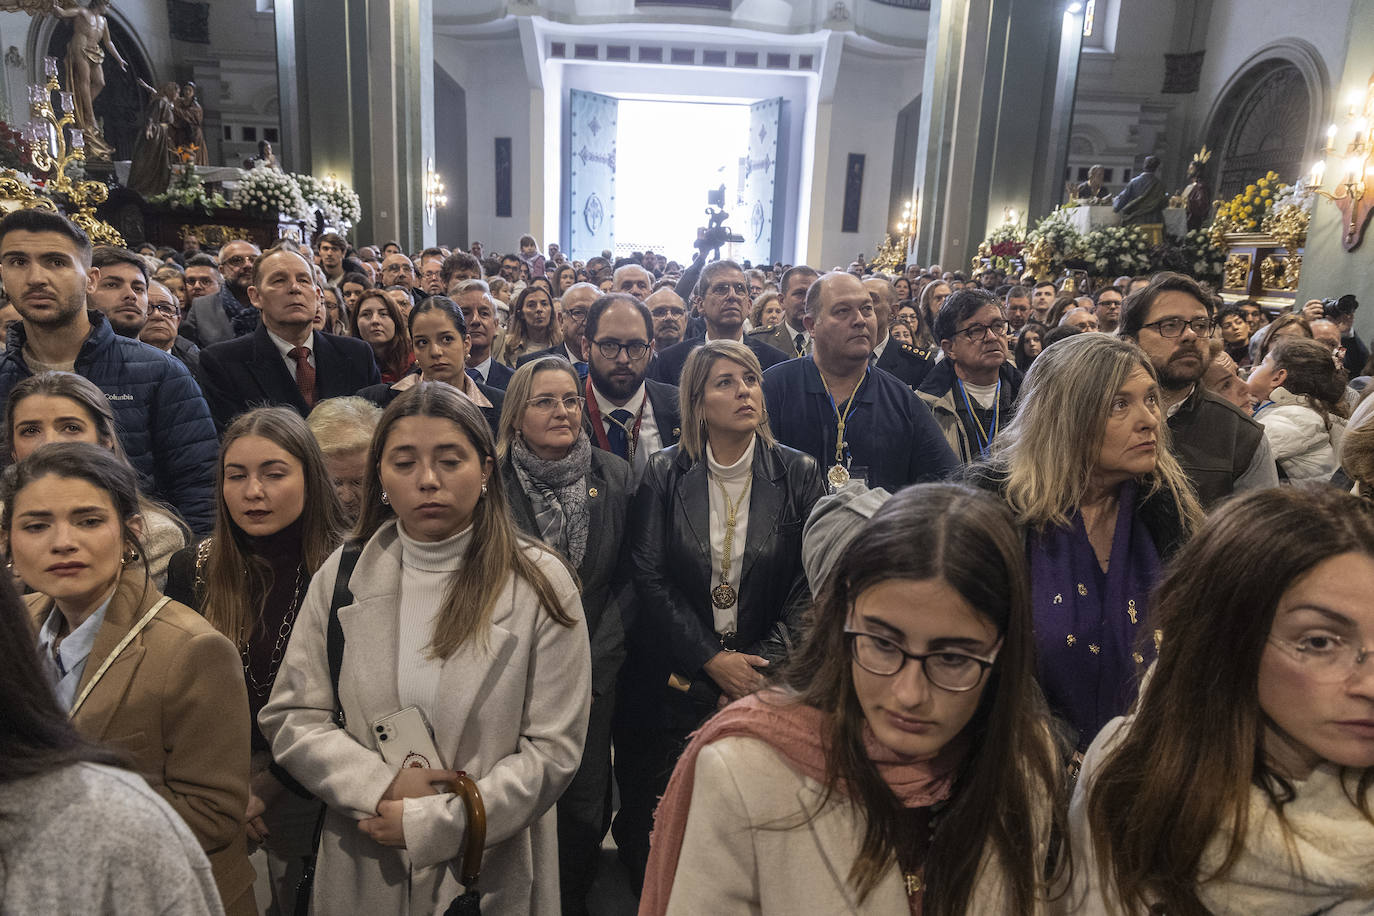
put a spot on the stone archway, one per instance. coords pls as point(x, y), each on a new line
point(1266, 119)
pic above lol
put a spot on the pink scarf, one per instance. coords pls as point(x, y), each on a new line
point(796, 732)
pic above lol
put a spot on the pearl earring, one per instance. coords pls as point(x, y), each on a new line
point(386, 500)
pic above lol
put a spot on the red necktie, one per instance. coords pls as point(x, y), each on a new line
point(305, 374)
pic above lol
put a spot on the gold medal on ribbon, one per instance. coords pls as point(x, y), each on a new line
point(723, 596)
point(837, 475)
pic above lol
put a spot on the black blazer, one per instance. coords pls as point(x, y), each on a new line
point(383, 394)
point(669, 541)
point(249, 371)
point(907, 363)
point(668, 366)
point(559, 350)
point(603, 572)
point(663, 401)
point(499, 375)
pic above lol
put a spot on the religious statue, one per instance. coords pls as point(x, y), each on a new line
point(1197, 197)
point(85, 66)
point(190, 124)
point(151, 171)
point(1093, 190)
point(1142, 201)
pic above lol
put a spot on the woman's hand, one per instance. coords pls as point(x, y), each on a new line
point(386, 827)
point(415, 782)
point(253, 822)
point(735, 674)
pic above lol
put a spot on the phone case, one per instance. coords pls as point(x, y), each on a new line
point(404, 740)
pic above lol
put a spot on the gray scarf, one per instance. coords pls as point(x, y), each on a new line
point(558, 493)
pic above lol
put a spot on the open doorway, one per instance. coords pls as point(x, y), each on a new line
point(668, 155)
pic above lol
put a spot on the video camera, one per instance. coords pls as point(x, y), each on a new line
point(716, 233)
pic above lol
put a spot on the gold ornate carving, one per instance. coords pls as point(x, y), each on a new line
point(1237, 271)
point(214, 234)
point(1292, 270)
point(1271, 273)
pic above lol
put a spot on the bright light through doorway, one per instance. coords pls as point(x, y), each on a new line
point(668, 155)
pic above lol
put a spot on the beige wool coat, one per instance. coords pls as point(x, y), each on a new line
point(515, 720)
point(759, 841)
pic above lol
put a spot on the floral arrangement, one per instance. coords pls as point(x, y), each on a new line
point(14, 152)
point(268, 191)
point(1202, 257)
point(1116, 251)
point(1290, 215)
point(187, 191)
point(1245, 211)
point(337, 201)
point(1002, 246)
point(1052, 242)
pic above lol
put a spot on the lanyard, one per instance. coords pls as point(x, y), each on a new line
point(984, 435)
point(841, 417)
point(599, 427)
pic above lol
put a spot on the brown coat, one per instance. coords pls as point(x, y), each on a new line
point(175, 701)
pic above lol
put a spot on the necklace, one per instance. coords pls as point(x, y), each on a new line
point(261, 690)
point(723, 595)
point(984, 435)
point(838, 475)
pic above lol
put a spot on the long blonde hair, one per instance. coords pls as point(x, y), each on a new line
point(496, 549)
point(1050, 449)
point(692, 391)
point(237, 580)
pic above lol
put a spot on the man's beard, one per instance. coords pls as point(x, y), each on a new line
point(124, 328)
point(615, 389)
point(1172, 377)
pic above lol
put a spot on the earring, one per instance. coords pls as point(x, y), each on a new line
point(386, 500)
point(484, 488)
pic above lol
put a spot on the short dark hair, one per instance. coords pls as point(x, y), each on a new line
point(510, 257)
point(105, 255)
point(1049, 283)
point(459, 260)
point(1106, 289)
point(47, 221)
point(960, 306)
point(204, 260)
point(800, 270)
point(1018, 292)
point(609, 299)
point(333, 238)
point(1229, 311)
point(360, 279)
point(1137, 305)
point(1151, 163)
point(1058, 333)
point(708, 274)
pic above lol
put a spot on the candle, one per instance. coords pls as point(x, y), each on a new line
point(50, 66)
point(38, 96)
point(78, 139)
point(1330, 138)
point(1318, 172)
point(68, 102)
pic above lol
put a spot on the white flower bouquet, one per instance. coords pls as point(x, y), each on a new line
point(266, 190)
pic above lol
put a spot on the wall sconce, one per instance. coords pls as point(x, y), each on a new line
point(1352, 194)
point(434, 191)
point(1010, 216)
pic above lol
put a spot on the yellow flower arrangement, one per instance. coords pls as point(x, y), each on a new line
point(1246, 211)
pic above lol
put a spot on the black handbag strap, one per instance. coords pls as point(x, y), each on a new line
point(334, 636)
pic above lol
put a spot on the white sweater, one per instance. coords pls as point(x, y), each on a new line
point(427, 568)
point(1301, 443)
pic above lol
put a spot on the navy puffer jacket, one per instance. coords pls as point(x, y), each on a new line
point(164, 424)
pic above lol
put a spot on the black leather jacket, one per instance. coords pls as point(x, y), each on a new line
point(669, 540)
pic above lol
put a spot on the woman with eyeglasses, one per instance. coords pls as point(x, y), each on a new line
point(576, 499)
point(439, 333)
point(1240, 782)
point(1087, 469)
point(715, 547)
point(903, 762)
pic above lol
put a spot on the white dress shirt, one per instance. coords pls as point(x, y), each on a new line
point(649, 439)
point(285, 347)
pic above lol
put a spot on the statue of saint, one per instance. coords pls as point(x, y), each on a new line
point(85, 66)
point(151, 171)
point(190, 128)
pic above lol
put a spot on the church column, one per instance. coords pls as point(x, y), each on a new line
point(996, 109)
point(355, 86)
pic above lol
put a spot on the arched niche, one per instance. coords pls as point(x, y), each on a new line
point(1268, 116)
point(119, 108)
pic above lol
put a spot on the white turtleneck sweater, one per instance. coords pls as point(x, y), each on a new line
point(427, 568)
point(735, 477)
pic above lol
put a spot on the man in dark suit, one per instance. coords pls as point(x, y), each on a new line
point(909, 364)
point(572, 320)
point(723, 293)
point(626, 414)
point(212, 318)
point(474, 298)
point(791, 336)
point(285, 362)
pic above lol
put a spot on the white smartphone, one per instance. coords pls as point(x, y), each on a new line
point(404, 740)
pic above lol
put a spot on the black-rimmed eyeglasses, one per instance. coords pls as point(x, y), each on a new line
point(610, 349)
point(953, 671)
point(1173, 327)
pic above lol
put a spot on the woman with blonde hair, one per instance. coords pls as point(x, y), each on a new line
point(715, 548)
point(1239, 784)
point(276, 521)
point(467, 629)
point(767, 311)
point(343, 428)
point(66, 407)
point(533, 325)
point(1087, 470)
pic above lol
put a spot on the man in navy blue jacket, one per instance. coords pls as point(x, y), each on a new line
point(854, 420)
point(164, 424)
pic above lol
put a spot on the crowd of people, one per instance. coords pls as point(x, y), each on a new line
point(885, 592)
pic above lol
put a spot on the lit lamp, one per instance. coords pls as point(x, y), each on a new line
point(434, 191)
point(1350, 167)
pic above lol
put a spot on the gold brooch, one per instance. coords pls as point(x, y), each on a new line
point(1058, 599)
point(1072, 639)
point(1094, 649)
point(592, 492)
point(1131, 611)
point(1082, 589)
point(1139, 659)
